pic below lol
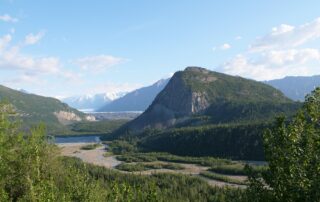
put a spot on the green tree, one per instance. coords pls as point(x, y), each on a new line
point(293, 154)
point(32, 170)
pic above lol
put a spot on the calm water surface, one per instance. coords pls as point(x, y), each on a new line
point(77, 139)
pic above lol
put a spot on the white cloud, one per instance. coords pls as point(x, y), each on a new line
point(238, 37)
point(23, 79)
point(290, 57)
point(11, 58)
point(225, 46)
point(98, 63)
point(279, 54)
point(4, 42)
point(287, 36)
point(31, 38)
point(8, 18)
point(275, 64)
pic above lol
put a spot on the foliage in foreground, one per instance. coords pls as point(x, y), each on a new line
point(30, 170)
point(293, 155)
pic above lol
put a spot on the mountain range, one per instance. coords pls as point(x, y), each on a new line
point(137, 100)
point(92, 102)
point(296, 87)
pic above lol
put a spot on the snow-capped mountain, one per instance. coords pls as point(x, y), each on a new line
point(91, 102)
point(137, 100)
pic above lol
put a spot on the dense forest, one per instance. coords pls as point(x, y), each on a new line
point(241, 141)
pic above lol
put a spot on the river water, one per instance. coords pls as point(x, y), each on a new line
point(77, 139)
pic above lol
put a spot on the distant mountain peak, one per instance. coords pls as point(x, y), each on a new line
point(137, 100)
point(161, 82)
point(296, 87)
point(92, 101)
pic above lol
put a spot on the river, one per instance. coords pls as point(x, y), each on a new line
point(77, 139)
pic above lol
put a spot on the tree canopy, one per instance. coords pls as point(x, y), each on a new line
point(293, 154)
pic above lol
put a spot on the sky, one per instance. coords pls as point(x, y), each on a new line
point(63, 48)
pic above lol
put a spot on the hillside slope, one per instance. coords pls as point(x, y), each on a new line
point(33, 109)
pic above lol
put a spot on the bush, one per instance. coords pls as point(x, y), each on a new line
point(90, 146)
point(222, 178)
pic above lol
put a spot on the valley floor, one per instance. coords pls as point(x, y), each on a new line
point(97, 157)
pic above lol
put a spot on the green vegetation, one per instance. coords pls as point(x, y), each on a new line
point(90, 146)
point(132, 167)
point(156, 187)
point(104, 127)
point(237, 169)
point(33, 109)
point(31, 171)
point(249, 112)
point(121, 147)
point(156, 156)
point(219, 86)
point(222, 178)
point(107, 154)
point(240, 141)
point(293, 154)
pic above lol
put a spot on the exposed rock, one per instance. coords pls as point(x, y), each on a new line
point(197, 69)
point(199, 102)
point(65, 117)
point(90, 118)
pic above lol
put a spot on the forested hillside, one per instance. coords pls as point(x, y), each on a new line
point(33, 109)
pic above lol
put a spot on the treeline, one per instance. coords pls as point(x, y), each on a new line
point(236, 141)
point(245, 112)
point(157, 187)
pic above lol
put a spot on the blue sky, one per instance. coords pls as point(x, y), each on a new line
point(62, 48)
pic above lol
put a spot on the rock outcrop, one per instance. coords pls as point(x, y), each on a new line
point(65, 117)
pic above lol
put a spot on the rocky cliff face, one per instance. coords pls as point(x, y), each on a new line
point(199, 102)
point(65, 117)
